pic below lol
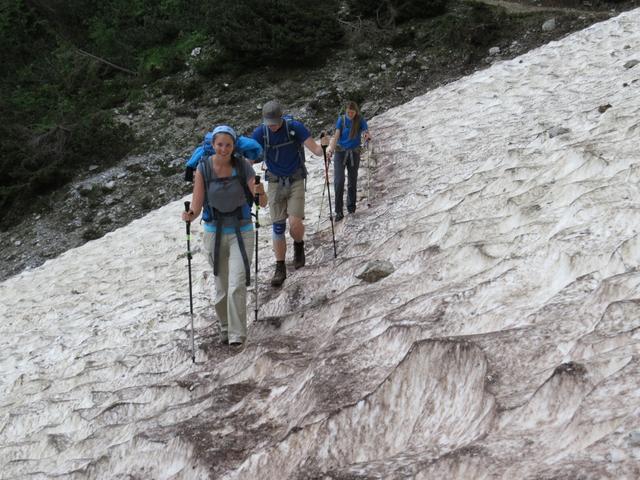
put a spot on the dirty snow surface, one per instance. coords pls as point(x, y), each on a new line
point(503, 344)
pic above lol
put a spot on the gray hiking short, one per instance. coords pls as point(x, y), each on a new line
point(285, 200)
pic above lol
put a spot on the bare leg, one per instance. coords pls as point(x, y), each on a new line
point(296, 229)
point(280, 249)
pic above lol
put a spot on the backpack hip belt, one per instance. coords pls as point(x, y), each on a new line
point(285, 181)
point(349, 157)
point(219, 218)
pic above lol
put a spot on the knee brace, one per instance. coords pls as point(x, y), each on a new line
point(279, 229)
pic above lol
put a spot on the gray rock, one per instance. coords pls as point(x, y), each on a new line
point(555, 131)
point(369, 107)
point(634, 438)
point(494, 51)
point(376, 270)
point(604, 108)
point(631, 64)
point(549, 25)
point(110, 185)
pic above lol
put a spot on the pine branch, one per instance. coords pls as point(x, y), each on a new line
point(106, 62)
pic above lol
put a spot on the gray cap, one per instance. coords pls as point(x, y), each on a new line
point(272, 113)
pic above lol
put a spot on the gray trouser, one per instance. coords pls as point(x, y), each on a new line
point(351, 160)
point(231, 291)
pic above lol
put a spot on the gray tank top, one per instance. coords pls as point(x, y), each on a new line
point(225, 194)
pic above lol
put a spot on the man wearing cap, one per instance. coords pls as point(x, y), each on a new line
point(283, 141)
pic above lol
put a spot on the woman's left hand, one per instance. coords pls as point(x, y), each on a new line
point(259, 189)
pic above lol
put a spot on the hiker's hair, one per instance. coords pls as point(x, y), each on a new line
point(355, 126)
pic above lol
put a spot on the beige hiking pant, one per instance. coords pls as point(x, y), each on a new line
point(231, 290)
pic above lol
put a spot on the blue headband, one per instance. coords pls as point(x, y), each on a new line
point(224, 129)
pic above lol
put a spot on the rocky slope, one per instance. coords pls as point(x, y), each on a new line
point(172, 120)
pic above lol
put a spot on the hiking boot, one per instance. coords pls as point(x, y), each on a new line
point(279, 275)
point(298, 254)
point(339, 216)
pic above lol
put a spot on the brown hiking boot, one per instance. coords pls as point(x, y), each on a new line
point(279, 275)
point(298, 254)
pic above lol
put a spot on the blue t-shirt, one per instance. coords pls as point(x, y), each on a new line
point(345, 130)
point(282, 161)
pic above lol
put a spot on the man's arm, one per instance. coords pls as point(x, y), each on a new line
point(312, 145)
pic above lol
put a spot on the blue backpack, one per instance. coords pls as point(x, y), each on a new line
point(247, 147)
point(291, 138)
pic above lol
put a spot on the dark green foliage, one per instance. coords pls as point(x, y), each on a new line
point(22, 36)
point(276, 32)
point(402, 37)
point(34, 163)
point(403, 10)
point(91, 233)
point(474, 24)
point(390, 12)
point(64, 70)
point(124, 32)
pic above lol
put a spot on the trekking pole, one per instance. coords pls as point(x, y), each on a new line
point(193, 349)
point(257, 202)
point(367, 148)
point(324, 187)
point(324, 142)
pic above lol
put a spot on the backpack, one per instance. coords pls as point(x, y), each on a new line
point(207, 211)
point(291, 138)
point(247, 147)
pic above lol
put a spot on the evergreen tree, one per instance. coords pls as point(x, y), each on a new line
point(396, 11)
point(276, 31)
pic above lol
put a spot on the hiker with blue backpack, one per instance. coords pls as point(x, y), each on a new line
point(350, 128)
point(283, 140)
point(224, 188)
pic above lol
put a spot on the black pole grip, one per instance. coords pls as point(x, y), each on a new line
point(257, 179)
point(187, 205)
point(324, 146)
